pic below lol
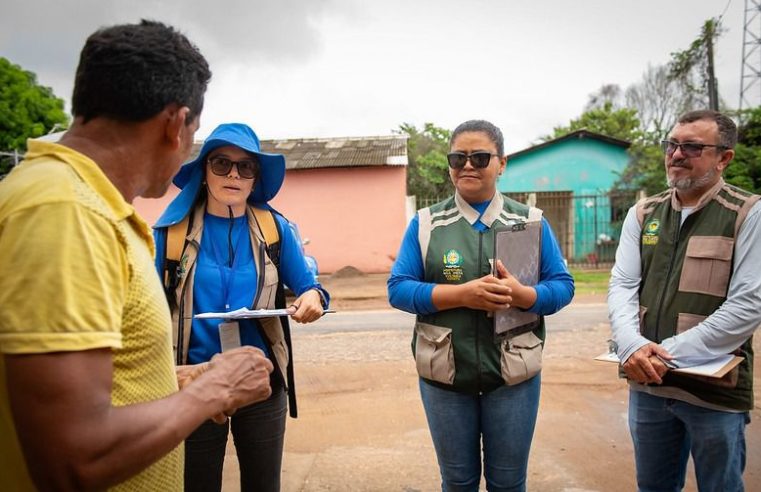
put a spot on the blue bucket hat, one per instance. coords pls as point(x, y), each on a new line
point(191, 175)
point(271, 166)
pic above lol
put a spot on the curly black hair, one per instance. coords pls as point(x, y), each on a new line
point(131, 72)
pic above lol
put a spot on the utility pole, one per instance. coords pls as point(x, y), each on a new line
point(713, 91)
point(750, 69)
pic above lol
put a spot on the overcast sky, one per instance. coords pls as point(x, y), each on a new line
point(332, 68)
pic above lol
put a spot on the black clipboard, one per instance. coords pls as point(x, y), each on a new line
point(520, 248)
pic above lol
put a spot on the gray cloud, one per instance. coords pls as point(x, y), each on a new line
point(45, 36)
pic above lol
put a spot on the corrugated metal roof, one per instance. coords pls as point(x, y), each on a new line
point(316, 153)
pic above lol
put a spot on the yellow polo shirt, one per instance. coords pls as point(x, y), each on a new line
point(76, 273)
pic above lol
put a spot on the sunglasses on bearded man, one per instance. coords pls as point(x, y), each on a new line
point(479, 159)
point(689, 149)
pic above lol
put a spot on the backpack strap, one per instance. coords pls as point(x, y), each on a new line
point(266, 220)
point(175, 244)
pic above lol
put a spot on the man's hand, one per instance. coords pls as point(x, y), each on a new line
point(646, 364)
point(307, 307)
point(234, 379)
point(189, 373)
point(74, 438)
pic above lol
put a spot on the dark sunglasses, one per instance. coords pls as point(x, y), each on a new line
point(478, 160)
point(689, 149)
point(221, 166)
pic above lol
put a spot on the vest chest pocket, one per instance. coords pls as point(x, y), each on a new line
point(707, 265)
point(521, 358)
point(434, 355)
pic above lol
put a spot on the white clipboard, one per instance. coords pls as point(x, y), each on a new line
point(244, 313)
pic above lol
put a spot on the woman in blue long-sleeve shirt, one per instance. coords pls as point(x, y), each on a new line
point(229, 262)
point(443, 273)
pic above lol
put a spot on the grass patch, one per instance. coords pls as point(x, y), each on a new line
point(591, 281)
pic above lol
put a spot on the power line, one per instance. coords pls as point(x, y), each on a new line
point(725, 9)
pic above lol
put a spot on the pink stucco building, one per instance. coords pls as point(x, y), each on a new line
point(347, 196)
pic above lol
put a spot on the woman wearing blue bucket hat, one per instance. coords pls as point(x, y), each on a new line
point(220, 247)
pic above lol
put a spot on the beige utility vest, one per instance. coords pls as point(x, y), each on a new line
point(264, 298)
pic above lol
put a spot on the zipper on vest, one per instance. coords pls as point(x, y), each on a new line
point(666, 281)
point(476, 314)
point(181, 307)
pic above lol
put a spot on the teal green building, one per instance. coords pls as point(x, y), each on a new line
point(570, 178)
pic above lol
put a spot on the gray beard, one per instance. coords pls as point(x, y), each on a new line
point(686, 184)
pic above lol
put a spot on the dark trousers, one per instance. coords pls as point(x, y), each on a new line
point(258, 433)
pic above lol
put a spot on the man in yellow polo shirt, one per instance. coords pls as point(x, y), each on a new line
point(88, 392)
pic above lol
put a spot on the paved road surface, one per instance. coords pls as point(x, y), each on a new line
point(573, 317)
point(361, 426)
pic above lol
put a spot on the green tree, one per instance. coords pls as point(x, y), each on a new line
point(645, 169)
point(427, 171)
point(749, 132)
point(693, 68)
point(27, 109)
point(607, 120)
point(745, 169)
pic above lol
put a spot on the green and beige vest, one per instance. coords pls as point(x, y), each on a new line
point(685, 275)
point(456, 348)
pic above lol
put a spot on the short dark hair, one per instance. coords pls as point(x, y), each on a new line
point(727, 127)
point(494, 133)
point(131, 72)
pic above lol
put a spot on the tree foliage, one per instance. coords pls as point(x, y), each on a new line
point(427, 171)
point(607, 94)
point(621, 123)
point(659, 100)
point(690, 68)
point(645, 169)
point(650, 109)
point(27, 109)
point(745, 169)
point(664, 93)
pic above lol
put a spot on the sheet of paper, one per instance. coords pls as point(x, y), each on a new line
point(715, 368)
point(244, 313)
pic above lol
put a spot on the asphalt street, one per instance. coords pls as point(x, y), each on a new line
point(572, 317)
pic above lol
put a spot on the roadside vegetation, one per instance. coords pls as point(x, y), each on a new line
point(591, 281)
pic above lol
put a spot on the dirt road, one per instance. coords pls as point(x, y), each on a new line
point(361, 425)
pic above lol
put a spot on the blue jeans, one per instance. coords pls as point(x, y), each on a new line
point(258, 432)
point(666, 431)
point(505, 418)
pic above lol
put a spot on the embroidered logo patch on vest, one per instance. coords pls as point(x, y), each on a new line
point(452, 265)
point(650, 232)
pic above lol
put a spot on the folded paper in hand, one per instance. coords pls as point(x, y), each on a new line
point(519, 248)
point(716, 368)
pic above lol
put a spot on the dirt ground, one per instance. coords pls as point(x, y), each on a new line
point(361, 425)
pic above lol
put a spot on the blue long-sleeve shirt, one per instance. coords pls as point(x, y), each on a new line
point(408, 291)
point(217, 287)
